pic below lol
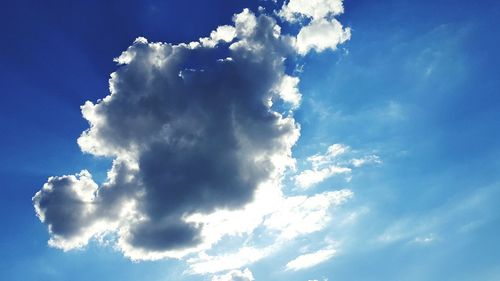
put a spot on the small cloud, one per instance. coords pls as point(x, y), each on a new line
point(224, 33)
point(323, 31)
point(427, 239)
point(320, 35)
point(370, 159)
point(332, 162)
point(213, 264)
point(311, 259)
point(323, 166)
point(309, 178)
point(235, 275)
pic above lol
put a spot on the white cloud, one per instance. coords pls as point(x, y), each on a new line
point(294, 10)
point(370, 159)
point(333, 151)
point(311, 259)
point(224, 33)
point(283, 219)
point(320, 35)
point(288, 90)
point(323, 31)
point(299, 215)
point(323, 166)
point(308, 178)
point(235, 275)
point(243, 257)
point(332, 162)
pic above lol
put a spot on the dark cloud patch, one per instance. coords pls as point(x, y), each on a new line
point(165, 234)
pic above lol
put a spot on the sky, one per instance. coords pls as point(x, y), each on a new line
point(244, 140)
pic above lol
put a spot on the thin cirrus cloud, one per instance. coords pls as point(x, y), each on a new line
point(196, 146)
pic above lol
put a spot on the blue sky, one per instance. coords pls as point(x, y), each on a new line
point(413, 94)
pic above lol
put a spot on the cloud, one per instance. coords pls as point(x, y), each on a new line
point(370, 159)
point(224, 33)
point(311, 259)
point(69, 199)
point(323, 31)
point(299, 215)
point(331, 163)
point(308, 178)
point(320, 35)
point(235, 275)
point(323, 166)
point(185, 139)
point(294, 10)
point(222, 262)
point(288, 90)
point(280, 218)
point(199, 152)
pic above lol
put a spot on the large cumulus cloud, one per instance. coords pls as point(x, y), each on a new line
point(191, 129)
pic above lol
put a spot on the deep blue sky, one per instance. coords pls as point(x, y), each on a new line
point(418, 83)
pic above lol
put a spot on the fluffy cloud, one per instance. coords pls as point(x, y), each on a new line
point(68, 199)
point(224, 33)
point(320, 35)
point(199, 152)
point(294, 10)
point(323, 31)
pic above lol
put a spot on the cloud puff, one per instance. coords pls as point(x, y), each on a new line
point(320, 35)
point(323, 31)
point(199, 151)
point(68, 199)
point(224, 33)
point(294, 10)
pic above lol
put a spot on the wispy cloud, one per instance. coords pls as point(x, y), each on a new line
point(311, 259)
point(337, 160)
